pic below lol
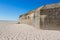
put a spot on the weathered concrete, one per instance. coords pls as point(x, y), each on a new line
point(43, 17)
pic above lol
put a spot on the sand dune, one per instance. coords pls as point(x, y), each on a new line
point(26, 32)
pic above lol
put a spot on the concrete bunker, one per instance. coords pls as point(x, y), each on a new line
point(46, 17)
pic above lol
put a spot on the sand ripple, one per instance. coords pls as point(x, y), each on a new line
point(26, 32)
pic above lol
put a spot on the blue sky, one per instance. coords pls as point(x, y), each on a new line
point(11, 9)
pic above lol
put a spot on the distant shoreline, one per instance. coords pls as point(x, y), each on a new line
point(8, 21)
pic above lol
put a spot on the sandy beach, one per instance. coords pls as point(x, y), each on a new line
point(13, 31)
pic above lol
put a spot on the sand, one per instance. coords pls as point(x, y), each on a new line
point(26, 32)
